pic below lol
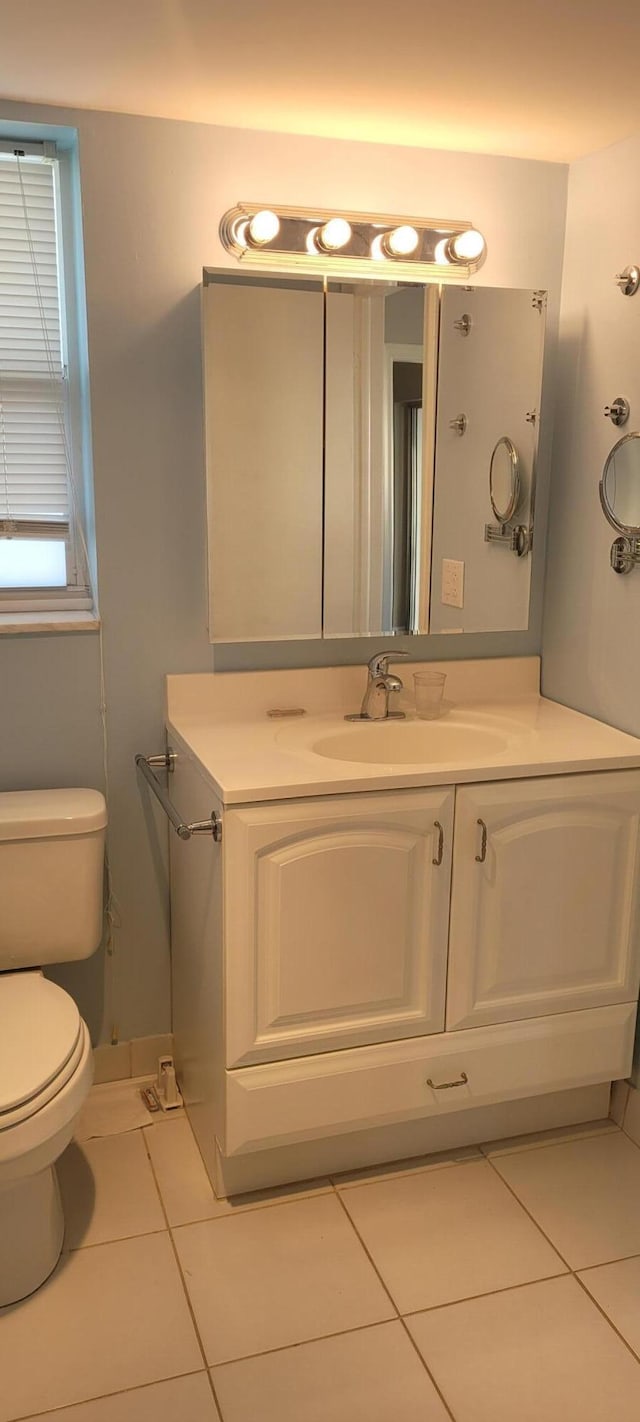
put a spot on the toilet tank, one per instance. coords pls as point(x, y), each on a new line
point(51, 875)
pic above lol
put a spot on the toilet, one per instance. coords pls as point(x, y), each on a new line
point(51, 911)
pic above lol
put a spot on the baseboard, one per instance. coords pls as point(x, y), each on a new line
point(629, 1114)
point(139, 1057)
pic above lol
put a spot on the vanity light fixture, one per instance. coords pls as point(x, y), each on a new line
point(333, 235)
point(467, 246)
point(262, 227)
point(400, 242)
point(364, 244)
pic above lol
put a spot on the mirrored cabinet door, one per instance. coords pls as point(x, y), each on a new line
point(489, 382)
point(263, 381)
point(371, 456)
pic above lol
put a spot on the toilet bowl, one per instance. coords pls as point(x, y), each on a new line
point(51, 870)
point(42, 1089)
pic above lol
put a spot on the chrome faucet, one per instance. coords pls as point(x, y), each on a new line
point(380, 682)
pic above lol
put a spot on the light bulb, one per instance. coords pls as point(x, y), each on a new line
point(467, 246)
point(262, 228)
point(401, 242)
point(335, 234)
point(441, 253)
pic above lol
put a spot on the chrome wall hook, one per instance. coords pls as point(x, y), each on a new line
point(618, 411)
point(629, 279)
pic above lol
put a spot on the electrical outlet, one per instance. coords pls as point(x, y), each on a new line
point(452, 594)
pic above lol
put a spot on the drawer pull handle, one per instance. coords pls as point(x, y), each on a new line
point(440, 850)
point(446, 1085)
point(480, 858)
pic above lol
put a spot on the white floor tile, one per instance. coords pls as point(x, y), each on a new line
point(185, 1186)
point(187, 1399)
point(448, 1234)
point(183, 1182)
point(108, 1190)
point(109, 1318)
point(585, 1196)
point(616, 1287)
point(373, 1375)
point(558, 1135)
point(537, 1354)
point(272, 1277)
point(395, 1168)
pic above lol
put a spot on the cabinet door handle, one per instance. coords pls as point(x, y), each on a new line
point(480, 858)
point(440, 850)
point(446, 1085)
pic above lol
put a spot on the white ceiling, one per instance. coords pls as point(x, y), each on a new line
point(549, 79)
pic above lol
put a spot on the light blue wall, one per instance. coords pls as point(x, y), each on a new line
point(591, 643)
point(153, 193)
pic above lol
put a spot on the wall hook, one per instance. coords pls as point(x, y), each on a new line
point(629, 279)
point(618, 410)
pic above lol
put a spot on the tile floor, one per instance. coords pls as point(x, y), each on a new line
point(492, 1285)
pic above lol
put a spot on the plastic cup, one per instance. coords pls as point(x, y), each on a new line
point(429, 692)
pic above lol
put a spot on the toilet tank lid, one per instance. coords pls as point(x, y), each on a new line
point(37, 814)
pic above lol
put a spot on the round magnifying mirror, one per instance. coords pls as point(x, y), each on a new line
point(504, 480)
point(620, 485)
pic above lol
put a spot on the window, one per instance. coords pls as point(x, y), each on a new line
point(42, 558)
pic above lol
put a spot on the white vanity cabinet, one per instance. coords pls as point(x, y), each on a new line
point(544, 909)
point(337, 920)
point(362, 976)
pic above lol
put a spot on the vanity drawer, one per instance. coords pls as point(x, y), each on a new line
point(284, 1102)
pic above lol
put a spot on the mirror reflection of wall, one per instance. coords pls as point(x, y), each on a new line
point(378, 465)
point(340, 491)
point(263, 396)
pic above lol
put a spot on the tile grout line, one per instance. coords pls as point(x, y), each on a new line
point(104, 1397)
point(605, 1316)
point(184, 1285)
point(327, 1189)
point(573, 1273)
point(550, 1145)
point(303, 1343)
point(387, 1174)
point(396, 1310)
point(533, 1219)
point(606, 1263)
point(488, 1294)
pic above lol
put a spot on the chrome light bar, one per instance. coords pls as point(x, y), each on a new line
point(365, 244)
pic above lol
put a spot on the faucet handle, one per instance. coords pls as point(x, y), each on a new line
point(379, 664)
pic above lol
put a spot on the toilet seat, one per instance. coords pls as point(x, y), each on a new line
point(41, 1044)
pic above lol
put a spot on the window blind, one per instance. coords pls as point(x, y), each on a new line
point(34, 497)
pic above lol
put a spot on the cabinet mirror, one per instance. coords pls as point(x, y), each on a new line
point(349, 430)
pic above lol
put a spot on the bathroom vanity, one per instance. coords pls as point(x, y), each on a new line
point(411, 935)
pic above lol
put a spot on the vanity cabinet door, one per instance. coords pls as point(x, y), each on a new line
point(336, 922)
point(544, 914)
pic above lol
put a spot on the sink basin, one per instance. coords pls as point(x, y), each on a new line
point(411, 742)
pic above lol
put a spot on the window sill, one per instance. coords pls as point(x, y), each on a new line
point(16, 623)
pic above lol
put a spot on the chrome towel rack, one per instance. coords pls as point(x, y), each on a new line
point(147, 765)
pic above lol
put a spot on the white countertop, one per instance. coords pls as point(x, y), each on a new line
point(221, 719)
